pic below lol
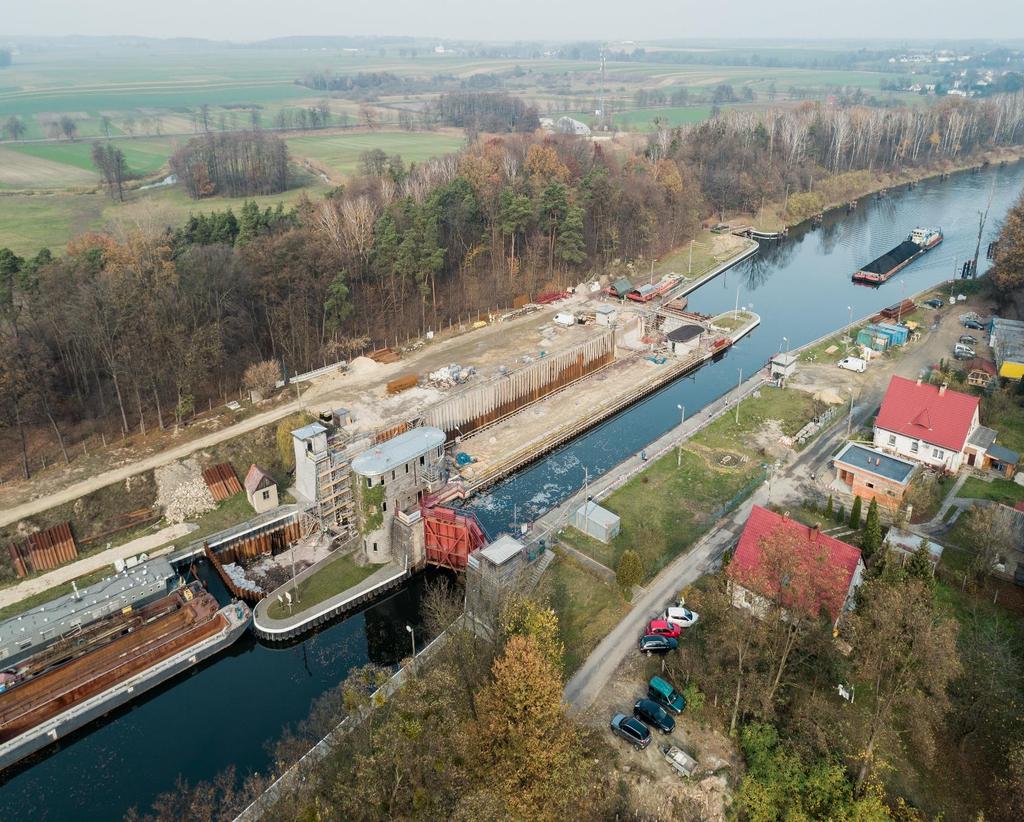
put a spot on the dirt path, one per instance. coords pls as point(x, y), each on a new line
point(66, 573)
point(494, 343)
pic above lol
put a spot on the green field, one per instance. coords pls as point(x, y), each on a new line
point(29, 222)
point(144, 157)
point(340, 152)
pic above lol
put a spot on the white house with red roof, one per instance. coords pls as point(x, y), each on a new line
point(779, 560)
point(931, 425)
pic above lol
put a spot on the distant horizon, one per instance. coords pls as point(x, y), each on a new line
point(664, 42)
point(253, 21)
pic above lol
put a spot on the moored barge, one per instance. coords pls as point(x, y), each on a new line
point(920, 241)
point(41, 703)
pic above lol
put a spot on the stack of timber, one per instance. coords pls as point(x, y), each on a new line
point(43, 550)
point(404, 383)
point(383, 356)
point(222, 481)
point(901, 309)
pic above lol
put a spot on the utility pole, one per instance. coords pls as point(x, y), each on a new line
point(682, 418)
point(849, 419)
point(736, 310)
point(982, 219)
point(689, 269)
point(739, 385)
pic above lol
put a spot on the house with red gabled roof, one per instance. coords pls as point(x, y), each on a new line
point(798, 568)
point(931, 424)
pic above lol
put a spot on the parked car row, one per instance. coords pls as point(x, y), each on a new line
point(662, 635)
point(654, 711)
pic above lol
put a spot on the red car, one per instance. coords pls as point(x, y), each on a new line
point(662, 628)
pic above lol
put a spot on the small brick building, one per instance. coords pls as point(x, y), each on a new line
point(870, 474)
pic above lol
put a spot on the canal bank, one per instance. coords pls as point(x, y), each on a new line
point(800, 288)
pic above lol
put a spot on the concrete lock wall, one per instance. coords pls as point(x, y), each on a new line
point(476, 407)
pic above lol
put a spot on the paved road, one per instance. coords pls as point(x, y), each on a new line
point(793, 482)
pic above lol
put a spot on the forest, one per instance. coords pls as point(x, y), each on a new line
point(235, 164)
point(137, 327)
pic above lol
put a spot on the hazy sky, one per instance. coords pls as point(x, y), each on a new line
point(518, 19)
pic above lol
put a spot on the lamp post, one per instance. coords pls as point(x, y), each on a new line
point(679, 452)
point(739, 383)
point(849, 419)
point(849, 318)
point(412, 635)
point(689, 270)
point(786, 341)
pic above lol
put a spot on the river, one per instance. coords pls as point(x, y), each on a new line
point(227, 711)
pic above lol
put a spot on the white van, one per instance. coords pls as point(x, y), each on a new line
point(853, 364)
point(565, 319)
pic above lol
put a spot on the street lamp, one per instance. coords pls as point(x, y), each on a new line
point(849, 419)
point(739, 384)
point(786, 341)
point(849, 319)
point(679, 453)
point(412, 635)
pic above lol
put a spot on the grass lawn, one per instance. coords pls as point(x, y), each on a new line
point(587, 607)
point(678, 260)
point(1005, 491)
point(926, 493)
point(42, 597)
point(340, 153)
point(818, 353)
point(668, 507)
point(333, 578)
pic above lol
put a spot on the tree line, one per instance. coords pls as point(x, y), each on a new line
point(485, 112)
point(138, 328)
point(239, 164)
point(743, 158)
point(477, 732)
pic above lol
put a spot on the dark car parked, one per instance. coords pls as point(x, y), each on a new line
point(968, 339)
point(650, 712)
point(656, 644)
point(934, 302)
point(632, 730)
point(975, 324)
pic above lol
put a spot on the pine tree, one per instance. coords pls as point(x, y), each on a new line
point(920, 564)
point(841, 515)
point(871, 538)
point(830, 510)
point(630, 570)
point(855, 513)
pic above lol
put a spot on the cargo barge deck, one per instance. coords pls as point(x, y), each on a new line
point(880, 270)
point(41, 705)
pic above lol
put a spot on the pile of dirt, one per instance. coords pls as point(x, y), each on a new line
point(362, 365)
point(181, 491)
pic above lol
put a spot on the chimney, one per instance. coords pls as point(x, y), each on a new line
point(785, 514)
point(815, 531)
point(942, 389)
point(918, 380)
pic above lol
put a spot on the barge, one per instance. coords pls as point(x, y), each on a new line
point(45, 700)
point(920, 241)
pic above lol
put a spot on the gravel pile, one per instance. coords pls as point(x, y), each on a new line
point(181, 491)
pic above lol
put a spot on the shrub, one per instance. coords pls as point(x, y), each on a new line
point(630, 570)
point(262, 377)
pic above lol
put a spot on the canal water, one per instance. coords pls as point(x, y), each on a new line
point(802, 290)
point(229, 710)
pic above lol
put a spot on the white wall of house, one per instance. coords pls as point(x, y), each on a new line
point(921, 450)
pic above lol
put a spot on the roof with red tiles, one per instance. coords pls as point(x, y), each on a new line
point(927, 412)
point(776, 551)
